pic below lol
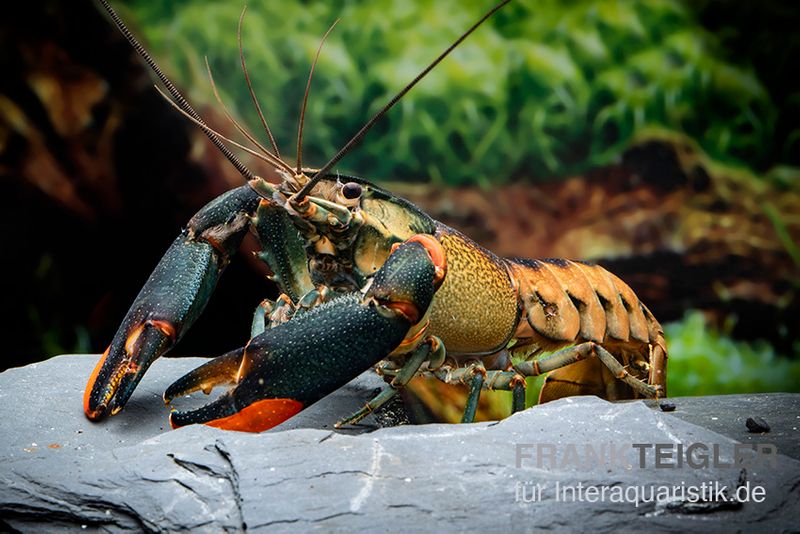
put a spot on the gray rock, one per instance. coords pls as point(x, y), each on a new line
point(727, 414)
point(131, 473)
point(41, 407)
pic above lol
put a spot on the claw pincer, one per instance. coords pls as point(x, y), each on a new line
point(173, 297)
point(292, 365)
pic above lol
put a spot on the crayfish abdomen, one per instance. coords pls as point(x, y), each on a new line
point(491, 311)
point(569, 302)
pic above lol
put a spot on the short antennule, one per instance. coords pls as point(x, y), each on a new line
point(303, 192)
point(179, 99)
point(277, 162)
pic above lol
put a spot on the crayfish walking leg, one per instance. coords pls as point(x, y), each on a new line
point(477, 378)
point(430, 349)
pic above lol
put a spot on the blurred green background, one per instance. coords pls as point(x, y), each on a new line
point(682, 114)
point(545, 90)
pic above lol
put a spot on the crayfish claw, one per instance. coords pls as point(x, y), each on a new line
point(294, 364)
point(240, 408)
point(224, 413)
point(222, 370)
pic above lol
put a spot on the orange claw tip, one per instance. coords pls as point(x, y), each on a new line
point(96, 413)
point(259, 416)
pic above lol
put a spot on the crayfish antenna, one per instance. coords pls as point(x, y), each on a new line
point(182, 104)
point(304, 191)
point(305, 99)
point(253, 96)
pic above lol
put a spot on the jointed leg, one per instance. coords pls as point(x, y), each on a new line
point(260, 316)
point(510, 380)
point(476, 384)
point(505, 380)
point(558, 359)
point(518, 394)
point(621, 373)
point(430, 349)
point(269, 314)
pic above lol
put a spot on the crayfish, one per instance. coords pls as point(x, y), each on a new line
point(367, 279)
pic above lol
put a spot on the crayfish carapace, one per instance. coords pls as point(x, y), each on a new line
point(368, 279)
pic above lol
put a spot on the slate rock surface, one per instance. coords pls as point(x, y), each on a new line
point(131, 472)
point(728, 414)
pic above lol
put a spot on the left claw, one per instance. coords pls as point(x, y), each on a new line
point(113, 379)
point(294, 364)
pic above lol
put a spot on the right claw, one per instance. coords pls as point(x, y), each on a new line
point(223, 413)
point(294, 364)
point(233, 410)
point(219, 371)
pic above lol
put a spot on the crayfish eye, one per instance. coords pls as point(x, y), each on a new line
point(351, 190)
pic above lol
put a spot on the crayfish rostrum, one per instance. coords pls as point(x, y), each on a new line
point(368, 279)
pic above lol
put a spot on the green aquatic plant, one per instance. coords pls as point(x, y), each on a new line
point(703, 361)
point(545, 90)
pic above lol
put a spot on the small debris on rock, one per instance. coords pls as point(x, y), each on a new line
point(667, 406)
point(757, 425)
point(54, 446)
